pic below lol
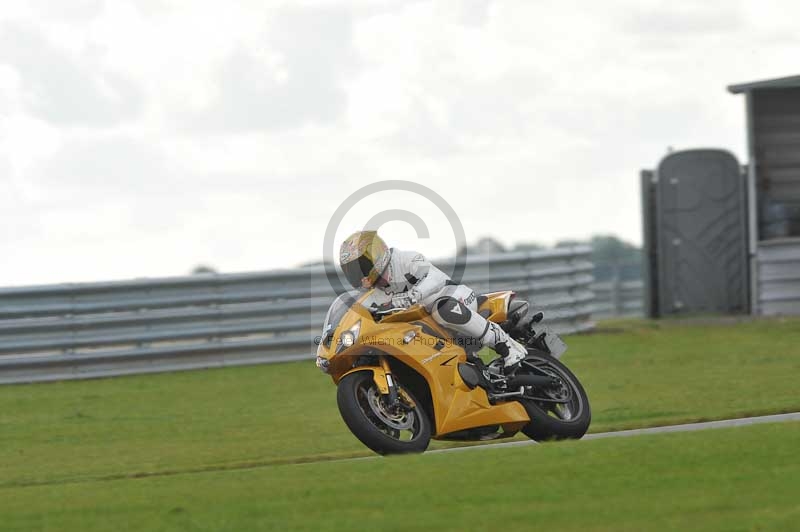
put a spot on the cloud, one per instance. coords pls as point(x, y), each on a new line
point(298, 79)
point(114, 167)
point(17, 223)
point(502, 106)
point(540, 109)
point(118, 181)
point(686, 20)
point(474, 12)
point(64, 88)
point(421, 132)
point(74, 10)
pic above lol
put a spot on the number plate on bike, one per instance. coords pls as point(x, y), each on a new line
point(552, 341)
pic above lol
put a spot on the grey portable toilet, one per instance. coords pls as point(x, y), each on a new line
point(773, 140)
point(695, 234)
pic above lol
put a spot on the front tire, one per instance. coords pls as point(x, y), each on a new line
point(552, 420)
point(385, 430)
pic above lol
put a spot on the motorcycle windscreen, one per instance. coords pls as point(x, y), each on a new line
point(337, 310)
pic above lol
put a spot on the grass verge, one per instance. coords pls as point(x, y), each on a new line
point(742, 478)
point(637, 374)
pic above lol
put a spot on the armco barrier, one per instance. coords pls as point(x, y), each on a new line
point(618, 299)
point(75, 331)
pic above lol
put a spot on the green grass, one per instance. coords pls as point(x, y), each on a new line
point(740, 479)
point(648, 373)
point(637, 374)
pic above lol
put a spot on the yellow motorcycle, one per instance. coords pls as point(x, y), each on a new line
point(402, 379)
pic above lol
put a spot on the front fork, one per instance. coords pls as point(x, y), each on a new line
point(384, 380)
point(390, 384)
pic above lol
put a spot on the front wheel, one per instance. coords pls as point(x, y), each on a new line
point(386, 429)
point(557, 412)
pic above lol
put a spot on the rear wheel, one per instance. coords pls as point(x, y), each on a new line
point(557, 412)
point(386, 429)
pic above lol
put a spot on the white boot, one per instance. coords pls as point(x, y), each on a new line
point(512, 351)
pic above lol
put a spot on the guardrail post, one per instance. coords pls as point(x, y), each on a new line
point(617, 296)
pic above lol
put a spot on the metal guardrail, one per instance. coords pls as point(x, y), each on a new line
point(618, 289)
point(75, 331)
point(778, 277)
point(618, 299)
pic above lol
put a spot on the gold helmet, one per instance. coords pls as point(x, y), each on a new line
point(363, 258)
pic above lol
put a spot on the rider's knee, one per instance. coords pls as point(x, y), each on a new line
point(451, 311)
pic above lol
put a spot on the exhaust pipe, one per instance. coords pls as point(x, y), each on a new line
point(531, 380)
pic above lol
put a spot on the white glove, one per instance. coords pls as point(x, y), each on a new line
point(404, 300)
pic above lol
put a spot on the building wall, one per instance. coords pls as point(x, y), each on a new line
point(776, 145)
point(779, 277)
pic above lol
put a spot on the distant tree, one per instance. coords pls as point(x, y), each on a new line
point(615, 258)
point(487, 245)
point(484, 246)
point(201, 269)
point(609, 248)
point(528, 246)
point(570, 242)
point(605, 248)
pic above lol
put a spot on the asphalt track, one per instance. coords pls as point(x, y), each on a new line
point(687, 427)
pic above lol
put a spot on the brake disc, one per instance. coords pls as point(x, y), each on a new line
point(399, 420)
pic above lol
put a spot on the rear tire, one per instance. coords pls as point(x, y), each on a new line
point(363, 413)
point(549, 421)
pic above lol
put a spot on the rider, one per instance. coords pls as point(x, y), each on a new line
point(405, 278)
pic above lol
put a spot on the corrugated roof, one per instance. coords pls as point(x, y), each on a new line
point(777, 83)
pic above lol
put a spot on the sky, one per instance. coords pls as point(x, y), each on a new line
point(144, 138)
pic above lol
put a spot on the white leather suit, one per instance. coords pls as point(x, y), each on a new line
point(409, 278)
